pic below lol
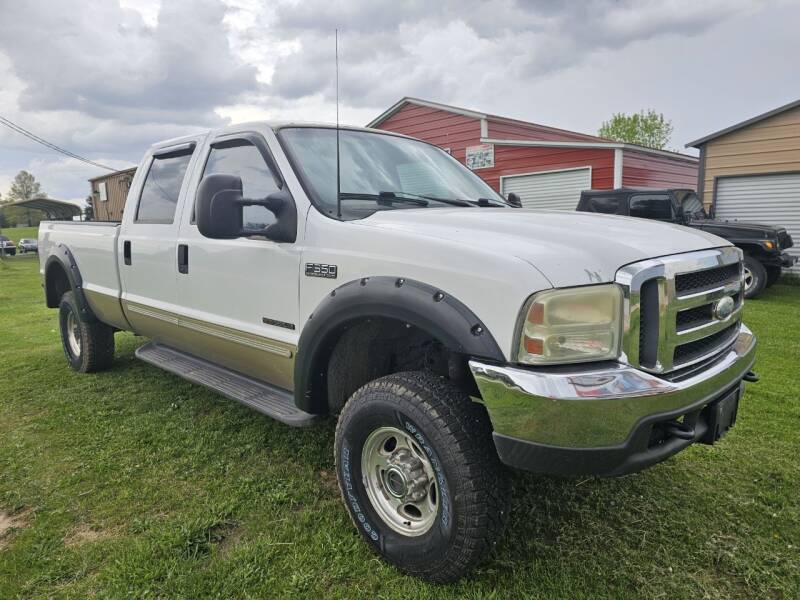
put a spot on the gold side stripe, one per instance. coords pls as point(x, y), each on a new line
point(209, 330)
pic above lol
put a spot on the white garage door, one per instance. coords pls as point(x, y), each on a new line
point(557, 190)
point(769, 199)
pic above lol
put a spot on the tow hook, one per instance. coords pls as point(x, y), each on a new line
point(751, 377)
point(679, 430)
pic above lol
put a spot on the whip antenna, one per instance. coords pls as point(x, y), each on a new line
point(338, 176)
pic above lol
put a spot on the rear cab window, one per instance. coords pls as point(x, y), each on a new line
point(162, 186)
point(652, 206)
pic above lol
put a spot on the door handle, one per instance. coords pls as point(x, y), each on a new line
point(183, 258)
point(126, 251)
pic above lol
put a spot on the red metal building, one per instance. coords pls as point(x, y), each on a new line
point(545, 166)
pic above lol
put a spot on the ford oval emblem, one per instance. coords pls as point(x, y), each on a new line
point(723, 308)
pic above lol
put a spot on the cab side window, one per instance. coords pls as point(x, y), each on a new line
point(242, 158)
point(652, 206)
point(162, 187)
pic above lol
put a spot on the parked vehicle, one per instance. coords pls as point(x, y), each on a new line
point(763, 245)
point(451, 333)
point(27, 245)
point(7, 247)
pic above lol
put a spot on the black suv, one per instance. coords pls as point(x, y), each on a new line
point(763, 245)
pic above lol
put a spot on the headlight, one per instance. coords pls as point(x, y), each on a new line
point(572, 325)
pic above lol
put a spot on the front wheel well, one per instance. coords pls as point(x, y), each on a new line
point(376, 347)
point(754, 250)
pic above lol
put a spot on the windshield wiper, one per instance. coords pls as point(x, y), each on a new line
point(451, 201)
point(385, 198)
point(419, 199)
point(459, 201)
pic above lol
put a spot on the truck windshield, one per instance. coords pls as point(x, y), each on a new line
point(380, 172)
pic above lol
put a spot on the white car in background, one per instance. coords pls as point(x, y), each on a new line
point(26, 245)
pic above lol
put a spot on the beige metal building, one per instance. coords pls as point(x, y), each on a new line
point(751, 171)
point(109, 193)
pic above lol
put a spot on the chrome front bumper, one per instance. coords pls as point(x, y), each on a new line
point(591, 407)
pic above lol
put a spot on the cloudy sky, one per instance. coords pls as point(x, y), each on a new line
point(106, 78)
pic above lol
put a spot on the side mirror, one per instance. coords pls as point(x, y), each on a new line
point(219, 210)
point(514, 200)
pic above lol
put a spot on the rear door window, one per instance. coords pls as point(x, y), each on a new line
point(652, 206)
point(162, 187)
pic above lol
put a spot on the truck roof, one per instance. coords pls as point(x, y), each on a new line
point(633, 189)
point(275, 125)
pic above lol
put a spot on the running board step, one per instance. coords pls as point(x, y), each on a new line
point(269, 400)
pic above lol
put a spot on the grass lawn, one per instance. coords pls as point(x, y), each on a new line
point(133, 483)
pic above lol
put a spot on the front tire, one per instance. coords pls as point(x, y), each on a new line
point(755, 277)
point(420, 476)
point(88, 346)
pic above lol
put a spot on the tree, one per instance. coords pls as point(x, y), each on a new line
point(88, 210)
point(645, 128)
point(24, 187)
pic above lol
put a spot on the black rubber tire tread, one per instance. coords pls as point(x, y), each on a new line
point(481, 487)
point(97, 340)
point(773, 274)
point(759, 275)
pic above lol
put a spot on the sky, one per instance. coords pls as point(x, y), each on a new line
point(107, 78)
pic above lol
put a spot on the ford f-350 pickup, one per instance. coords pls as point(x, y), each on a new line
point(307, 270)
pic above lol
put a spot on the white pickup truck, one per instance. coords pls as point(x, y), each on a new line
point(308, 271)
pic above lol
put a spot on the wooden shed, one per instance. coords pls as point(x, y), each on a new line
point(109, 193)
point(546, 166)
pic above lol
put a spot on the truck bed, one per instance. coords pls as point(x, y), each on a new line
point(93, 245)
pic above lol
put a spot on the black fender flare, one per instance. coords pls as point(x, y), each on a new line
point(62, 258)
point(429, 308)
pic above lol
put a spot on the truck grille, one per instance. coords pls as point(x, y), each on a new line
point(784, 240)
point(671, 303)
point(689, 283)
point(700, 348)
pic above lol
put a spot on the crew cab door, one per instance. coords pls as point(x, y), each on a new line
point(239, 298)
point(146, 245)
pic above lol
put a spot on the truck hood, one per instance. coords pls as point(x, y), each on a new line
point(741, 228)
point(568, 248)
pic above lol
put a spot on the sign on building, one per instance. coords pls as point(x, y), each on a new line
point(480, 157)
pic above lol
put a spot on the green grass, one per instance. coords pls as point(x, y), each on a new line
point(134, 483)
point(17, 233)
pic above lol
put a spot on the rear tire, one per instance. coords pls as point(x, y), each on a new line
point(420, 476)
point(755, 277)
point(88, 346)
point(773, 274)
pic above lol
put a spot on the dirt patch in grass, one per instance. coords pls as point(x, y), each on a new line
point(86, 534)
point(329, 482)
point(12, 522)
point(232, 537)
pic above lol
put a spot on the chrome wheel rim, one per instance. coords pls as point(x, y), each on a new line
point(73, 334)
point(748, 278)
point(400, 481)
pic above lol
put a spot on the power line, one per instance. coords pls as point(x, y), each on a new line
point(22, 131)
